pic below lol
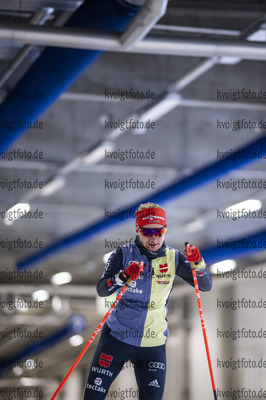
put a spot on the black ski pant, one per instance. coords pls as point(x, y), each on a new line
point(109, 359)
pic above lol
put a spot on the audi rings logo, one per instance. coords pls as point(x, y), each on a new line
point(157, 365)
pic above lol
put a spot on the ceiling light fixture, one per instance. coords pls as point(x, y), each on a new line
point(30, 364)
point(61, 278)
point(244, 206)
point(40, 295)
point(229, 60)
point(17, 211)
point(259, 35)
point(106, 256)
point(53, 186)
point(57, 303)
point(98, 153)
point(222, 266)
point(18, 371)
point(76, 340)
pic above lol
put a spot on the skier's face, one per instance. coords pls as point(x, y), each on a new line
point(152, 243)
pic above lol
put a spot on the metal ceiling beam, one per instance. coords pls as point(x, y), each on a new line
point(146, 18)
point(179, 85)
point(220, 105)
point(94, 168)
point(87, 39)
point(196, 29)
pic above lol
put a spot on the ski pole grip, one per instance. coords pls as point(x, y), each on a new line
point(141, 267)
point(188, 248)
point(128, 282)
point(189, 251)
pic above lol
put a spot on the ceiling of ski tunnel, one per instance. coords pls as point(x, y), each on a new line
point(200, 110)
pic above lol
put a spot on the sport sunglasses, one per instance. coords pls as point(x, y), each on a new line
point(150, 232)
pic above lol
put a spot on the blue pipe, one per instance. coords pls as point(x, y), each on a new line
point(77, 323)
point(235, 248)
point(185, 185)
point(57, 68)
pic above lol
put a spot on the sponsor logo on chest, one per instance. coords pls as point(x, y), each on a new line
point(163, 272)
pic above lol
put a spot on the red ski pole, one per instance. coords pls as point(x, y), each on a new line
point(189, 251)
point(101, 324)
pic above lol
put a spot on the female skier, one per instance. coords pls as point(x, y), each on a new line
point(137, 330)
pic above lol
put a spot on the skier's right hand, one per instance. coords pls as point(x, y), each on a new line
point(133, 270)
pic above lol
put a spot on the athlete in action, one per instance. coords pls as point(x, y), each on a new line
point(137, 328)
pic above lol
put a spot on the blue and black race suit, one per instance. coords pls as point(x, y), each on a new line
point(137, 328)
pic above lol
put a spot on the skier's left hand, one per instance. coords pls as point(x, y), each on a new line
point(194, 257)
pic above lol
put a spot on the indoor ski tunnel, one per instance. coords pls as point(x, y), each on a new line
point(113, 106)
